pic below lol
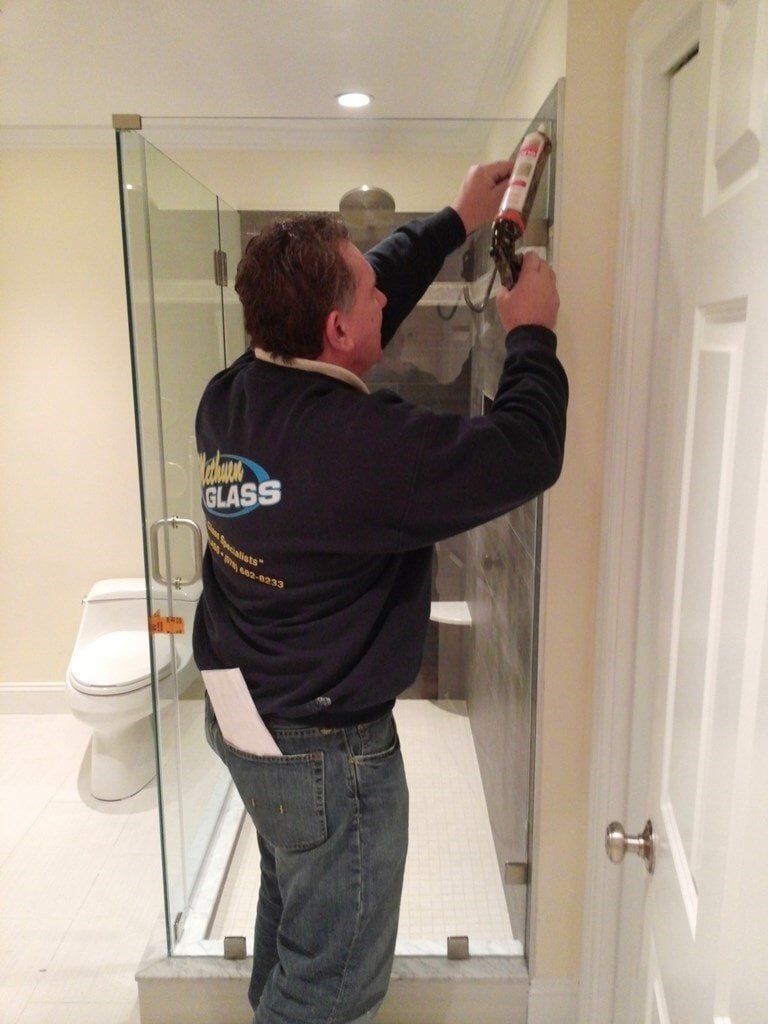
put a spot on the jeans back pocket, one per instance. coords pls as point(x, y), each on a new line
point(285, 796)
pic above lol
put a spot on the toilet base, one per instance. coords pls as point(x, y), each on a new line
point(122, 760)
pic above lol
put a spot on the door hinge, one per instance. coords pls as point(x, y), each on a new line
point(220, 267)
point(126, 122)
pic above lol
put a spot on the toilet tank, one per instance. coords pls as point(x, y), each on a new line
point(135, 588)
point(115, 605)
point(118, 590)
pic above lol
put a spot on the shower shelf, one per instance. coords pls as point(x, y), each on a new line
point(452, 613)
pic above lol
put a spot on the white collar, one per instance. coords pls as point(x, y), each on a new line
point(329, 369)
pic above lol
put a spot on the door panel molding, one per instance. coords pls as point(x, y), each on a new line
point(702, 532)
point(734, 137)
point(661, 34)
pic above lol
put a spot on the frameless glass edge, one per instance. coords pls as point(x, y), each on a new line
point(289, 133)
point(551, 109)
point(124, 224)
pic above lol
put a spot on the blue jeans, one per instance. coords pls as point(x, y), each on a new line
point(332, 823)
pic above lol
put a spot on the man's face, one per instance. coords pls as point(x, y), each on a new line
point(363, 318)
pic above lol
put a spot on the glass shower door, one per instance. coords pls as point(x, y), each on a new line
point(172, 233)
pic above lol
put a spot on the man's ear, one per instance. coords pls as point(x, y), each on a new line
point(336, 337)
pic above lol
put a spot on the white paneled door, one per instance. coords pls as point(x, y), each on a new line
point(702, 640)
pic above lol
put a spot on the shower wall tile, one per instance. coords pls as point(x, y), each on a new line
point(502, 574)
point(450, 585)
point(524, 521)
point(491, 363)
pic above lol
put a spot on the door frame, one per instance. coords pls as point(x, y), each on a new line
point(660, 35)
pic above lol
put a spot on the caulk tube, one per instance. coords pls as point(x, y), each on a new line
point(510, 222)
point(524, 181)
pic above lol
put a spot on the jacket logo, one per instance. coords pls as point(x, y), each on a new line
point(234, 486)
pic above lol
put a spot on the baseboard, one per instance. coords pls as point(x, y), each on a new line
point(33, 699)
point(553, 1002)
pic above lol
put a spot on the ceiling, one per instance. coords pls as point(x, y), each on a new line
point(76, 62)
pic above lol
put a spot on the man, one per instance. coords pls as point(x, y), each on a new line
point(323, 503)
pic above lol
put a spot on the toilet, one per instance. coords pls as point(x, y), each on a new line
point(108, 682)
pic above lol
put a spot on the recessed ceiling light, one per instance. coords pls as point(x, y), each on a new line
point(353, 99)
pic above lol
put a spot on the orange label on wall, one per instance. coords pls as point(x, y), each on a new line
point(165, 623)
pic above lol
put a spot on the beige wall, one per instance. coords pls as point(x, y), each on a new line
point(541, 66)
point(591, 149)
point(67, 449)
point(543, 62)
point(288, 180)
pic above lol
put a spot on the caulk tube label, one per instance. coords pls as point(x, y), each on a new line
point(525, 176)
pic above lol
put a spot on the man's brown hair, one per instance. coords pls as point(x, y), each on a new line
point(290, 278)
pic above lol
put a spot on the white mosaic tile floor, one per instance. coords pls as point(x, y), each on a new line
point(452, 884)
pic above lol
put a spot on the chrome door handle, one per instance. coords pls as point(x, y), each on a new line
point(154, 544)
point(617, 842)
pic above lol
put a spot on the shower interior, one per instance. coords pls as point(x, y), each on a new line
point(467, 723)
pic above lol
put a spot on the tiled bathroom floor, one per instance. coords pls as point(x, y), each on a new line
point(452, 884)
point(81, 882)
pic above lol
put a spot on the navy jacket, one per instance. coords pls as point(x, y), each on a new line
point(323, 503)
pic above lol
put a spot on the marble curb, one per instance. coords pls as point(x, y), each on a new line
point(157, 965)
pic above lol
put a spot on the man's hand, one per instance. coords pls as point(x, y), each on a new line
point(533, 300)
point(481, 193)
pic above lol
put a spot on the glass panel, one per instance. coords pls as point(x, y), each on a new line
point(229, 242)
point(171, 231)
point(476, 690)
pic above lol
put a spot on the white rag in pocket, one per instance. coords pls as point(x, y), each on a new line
point(240, 723)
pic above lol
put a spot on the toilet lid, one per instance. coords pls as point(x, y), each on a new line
point(118, 662)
